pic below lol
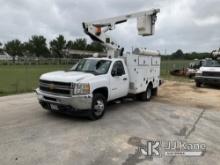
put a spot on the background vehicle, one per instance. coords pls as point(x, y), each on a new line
point(208, 74)
point(216, 54)
point(92, 82)
point(193, 67)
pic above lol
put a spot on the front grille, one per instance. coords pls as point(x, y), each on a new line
point(56, 83)
point(211, 74)
point(53, 87)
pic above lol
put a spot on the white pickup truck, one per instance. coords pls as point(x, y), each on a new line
point(93, 82)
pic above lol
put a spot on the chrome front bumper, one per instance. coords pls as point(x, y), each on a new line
point(208, 80)
point(78, 102)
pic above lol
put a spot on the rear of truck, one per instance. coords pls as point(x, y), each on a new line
point(144, 71)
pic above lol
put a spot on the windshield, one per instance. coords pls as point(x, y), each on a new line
point(95, 66)
point(211, 63)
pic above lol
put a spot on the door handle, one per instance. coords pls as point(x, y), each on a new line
point(125, 79)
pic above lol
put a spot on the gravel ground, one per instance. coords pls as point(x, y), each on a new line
point(187, 94)
point(31, 135)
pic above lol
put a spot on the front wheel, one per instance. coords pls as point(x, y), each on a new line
point(98, 107)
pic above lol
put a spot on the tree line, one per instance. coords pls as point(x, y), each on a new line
point(37, 46)
point(179, 55)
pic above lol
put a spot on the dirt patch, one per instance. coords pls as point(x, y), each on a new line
point(187, 94)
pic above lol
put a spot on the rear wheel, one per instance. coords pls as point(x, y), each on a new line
point(149, 92)
point(155, 91)
point(146, 96)
point(98, 107)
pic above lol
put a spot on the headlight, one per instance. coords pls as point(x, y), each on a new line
point(198, 73)
point(81, 89)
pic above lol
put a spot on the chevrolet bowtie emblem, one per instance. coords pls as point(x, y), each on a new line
point(51, 86)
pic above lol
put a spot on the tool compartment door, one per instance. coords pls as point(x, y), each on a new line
point(155, 61)
point(138, 73)
point(144, 60)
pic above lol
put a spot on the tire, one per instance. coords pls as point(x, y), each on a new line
point(98, 107)
point(149, 92)
point(147, 95)
point(198, 84)
point(155, 92)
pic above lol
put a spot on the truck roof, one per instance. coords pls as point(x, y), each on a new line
point(105, 58)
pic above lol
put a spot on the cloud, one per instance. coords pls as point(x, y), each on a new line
point(212, 20)
point(186, 24)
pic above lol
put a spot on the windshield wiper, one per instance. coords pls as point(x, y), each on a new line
point(90, 71)
point(86, 71)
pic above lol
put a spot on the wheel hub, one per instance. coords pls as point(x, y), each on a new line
point(99, 107)
point(148, 94)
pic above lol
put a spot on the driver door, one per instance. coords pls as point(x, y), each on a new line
point(119, 82)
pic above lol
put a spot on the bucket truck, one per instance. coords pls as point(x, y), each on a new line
point(92, 82)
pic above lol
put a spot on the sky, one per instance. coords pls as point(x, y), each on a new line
point(190, 25)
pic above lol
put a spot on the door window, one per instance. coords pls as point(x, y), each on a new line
point(118, 69)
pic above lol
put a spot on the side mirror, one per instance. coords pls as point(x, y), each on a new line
point(114, 73)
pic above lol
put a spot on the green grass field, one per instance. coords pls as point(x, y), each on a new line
point(24, 78)
point(168, 65)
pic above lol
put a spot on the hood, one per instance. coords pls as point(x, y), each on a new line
point(210, 69)
point(66, 76)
